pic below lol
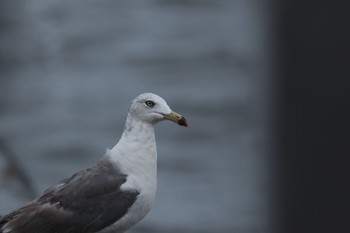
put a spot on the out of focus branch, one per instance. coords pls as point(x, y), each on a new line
point(14, 166)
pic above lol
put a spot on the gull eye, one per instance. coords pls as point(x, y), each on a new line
point(150, 103)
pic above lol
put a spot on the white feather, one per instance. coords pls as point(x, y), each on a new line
point(136, 156)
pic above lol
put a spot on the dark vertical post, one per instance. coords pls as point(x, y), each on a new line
point(314, 113)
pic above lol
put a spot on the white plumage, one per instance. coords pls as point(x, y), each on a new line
point(110, 196)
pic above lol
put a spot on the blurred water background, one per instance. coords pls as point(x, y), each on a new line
point(69, 70)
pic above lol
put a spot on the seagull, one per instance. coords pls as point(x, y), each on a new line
point(112, 195)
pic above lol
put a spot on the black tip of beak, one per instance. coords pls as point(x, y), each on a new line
point(182, 122)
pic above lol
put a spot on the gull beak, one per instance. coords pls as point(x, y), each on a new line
point(175, 117)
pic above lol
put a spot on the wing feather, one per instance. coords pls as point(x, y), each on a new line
point(86, 202)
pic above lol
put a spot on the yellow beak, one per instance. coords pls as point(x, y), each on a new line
point(175, 117)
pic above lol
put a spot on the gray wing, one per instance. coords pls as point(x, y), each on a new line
point(87, 202)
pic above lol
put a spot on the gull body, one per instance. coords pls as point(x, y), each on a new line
point(110, 196)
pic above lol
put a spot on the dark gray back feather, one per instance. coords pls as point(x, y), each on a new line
point(86, 202)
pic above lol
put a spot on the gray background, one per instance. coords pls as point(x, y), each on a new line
point(69, 70)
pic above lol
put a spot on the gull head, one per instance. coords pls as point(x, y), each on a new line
point(151, 108)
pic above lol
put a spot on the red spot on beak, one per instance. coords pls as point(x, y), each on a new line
point(183, 122)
